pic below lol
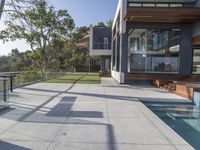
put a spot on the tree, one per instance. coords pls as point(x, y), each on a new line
point(43, 28)
point(109, 23)
point(101, 25)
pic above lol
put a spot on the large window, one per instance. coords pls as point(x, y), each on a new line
point(196, 61)
point(154, 50)
point(131, 3)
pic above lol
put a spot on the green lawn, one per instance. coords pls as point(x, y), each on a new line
point(82, 78)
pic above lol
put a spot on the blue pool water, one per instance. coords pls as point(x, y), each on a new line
point(182, 118)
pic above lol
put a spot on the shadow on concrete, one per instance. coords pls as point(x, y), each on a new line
point(9, 146)
point(41, 90)
point(132, 98)
point(63, 108)
point(86, 114)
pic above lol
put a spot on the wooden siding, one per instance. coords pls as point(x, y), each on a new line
point(170, 15)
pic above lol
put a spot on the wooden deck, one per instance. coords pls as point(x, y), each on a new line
point(182, 88)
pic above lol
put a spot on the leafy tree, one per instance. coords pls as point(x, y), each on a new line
point(41, 26)
point(109, 23)
point(100, 25)
point(76, 50)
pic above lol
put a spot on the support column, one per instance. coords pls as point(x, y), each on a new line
point(185, 63)
point(123, 53)
point(116, 52)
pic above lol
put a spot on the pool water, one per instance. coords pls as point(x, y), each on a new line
point(184, 119)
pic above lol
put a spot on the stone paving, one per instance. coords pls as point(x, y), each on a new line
point(108, 116)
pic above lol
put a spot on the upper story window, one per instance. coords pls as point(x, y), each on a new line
point(148, 5)
point(105, 42)
point(142, 4)
point(135, 4)
point(176, 5)
point(162, 5)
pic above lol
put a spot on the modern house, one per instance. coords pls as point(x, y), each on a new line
point(150, 39)
point(100, 46)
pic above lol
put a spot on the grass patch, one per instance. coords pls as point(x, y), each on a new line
point(81, 78)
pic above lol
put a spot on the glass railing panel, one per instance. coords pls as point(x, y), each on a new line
point(4, 92)
point(102, 46)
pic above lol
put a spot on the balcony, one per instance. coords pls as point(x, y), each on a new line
point(100, 41)
point(3, 93)
point(100, 49)
point(102, 46)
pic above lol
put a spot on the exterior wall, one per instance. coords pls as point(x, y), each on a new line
point(120, 38)
point(118, 76)
point(97, 37)
point(185, 62)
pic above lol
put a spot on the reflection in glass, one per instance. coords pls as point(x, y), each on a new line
point(196, 61)
point(154, 50)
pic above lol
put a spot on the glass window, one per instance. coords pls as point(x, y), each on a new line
point(105, 42)
point(176, 5)
point(196, 61)
point(135, 4)
point(154, 50)
point(162, 5)
point(148, 4)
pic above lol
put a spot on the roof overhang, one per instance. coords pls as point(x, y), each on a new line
point(169, 15)
point(164, 1)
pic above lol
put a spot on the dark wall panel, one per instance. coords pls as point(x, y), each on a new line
point(185, 64)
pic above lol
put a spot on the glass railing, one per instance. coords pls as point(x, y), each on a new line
point(4, 92)
point(102, 46)
point(28, 77)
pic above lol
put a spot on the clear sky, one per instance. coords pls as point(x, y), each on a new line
point(84, 13)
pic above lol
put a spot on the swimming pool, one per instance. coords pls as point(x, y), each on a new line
point(184, 119)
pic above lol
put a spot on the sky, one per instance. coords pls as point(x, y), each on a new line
point(84, 13)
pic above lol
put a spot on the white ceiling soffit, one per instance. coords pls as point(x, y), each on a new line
point(165, 1)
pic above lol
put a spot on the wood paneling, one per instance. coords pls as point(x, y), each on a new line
point(170, 15)
point(184, 91)
point(196, 40)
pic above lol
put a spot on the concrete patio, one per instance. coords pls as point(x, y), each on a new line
point(46, 116)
